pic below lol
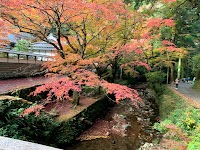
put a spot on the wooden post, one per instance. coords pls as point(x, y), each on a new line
point(27, 58)
point(7, 55)
point(35, 59)
point(18, 58)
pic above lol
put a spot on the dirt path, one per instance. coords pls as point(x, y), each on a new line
point(190, 95)
point(186, 89)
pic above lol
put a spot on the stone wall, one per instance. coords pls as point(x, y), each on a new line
point(16, 70)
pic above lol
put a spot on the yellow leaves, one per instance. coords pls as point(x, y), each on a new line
point(183, 51)
point(198, 127)
point(189, 122)
point(73, 57)
point(130, 70)
point(85, 62)
point(91, 49)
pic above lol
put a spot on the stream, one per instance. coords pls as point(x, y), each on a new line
point(124, 127)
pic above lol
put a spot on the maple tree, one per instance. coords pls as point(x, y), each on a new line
point(184, 34)
point(160, 55)
point(187, 32)
point(68, 20)
point(155, 52)
point(5, 27)
point(93, 39)
point(4, 31)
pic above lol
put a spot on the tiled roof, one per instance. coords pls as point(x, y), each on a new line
point(42, 45)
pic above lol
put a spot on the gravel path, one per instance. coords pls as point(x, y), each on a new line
point(16, 84)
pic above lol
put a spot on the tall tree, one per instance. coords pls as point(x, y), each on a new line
point(5, 29)
point(90, 35)
point(186, 31)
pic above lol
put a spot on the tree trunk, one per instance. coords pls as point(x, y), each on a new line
point(76, 98)
point(121, 73)
point(114, 71)
point(113, 74)
point(167, 75)
point(99, 90)
point(62, 54)
point(182, 71)
point(198, 76)
point(179, 68)
point(172, 73)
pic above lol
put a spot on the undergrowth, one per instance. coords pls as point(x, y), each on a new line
point(196, 85)
point(180, 118)
point(40, 129)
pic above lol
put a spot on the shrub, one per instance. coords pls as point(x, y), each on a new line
point(155, 81)
point(39, 129)
point(182, 116)
point(196, 65)
point(196, 85)
point(22, 45)
point(156, 77)
point(195, 142)
point(160, 127)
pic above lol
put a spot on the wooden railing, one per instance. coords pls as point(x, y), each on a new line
point(29, 57)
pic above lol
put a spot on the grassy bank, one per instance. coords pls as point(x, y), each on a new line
point(179, 122)
point(196, 85)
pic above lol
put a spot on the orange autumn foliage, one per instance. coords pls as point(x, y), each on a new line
point(92, 37)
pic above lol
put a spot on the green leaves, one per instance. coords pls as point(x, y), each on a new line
point(196, 65)
point(22, 45)
point(37, 129)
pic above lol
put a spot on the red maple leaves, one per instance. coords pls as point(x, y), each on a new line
point(122, 92)
point(158, 22)
point(168, 43)
point(34, 109)
point(58, 89)
point(168, 1)
point(91, 36)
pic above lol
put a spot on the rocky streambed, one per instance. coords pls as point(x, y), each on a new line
point(124, 127)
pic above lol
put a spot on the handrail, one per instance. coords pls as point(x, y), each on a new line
point(22, 53)
point(27, 54)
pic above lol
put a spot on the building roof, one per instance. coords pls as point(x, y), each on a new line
point(42, 45)
point(22, 53)
point(18, 36)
